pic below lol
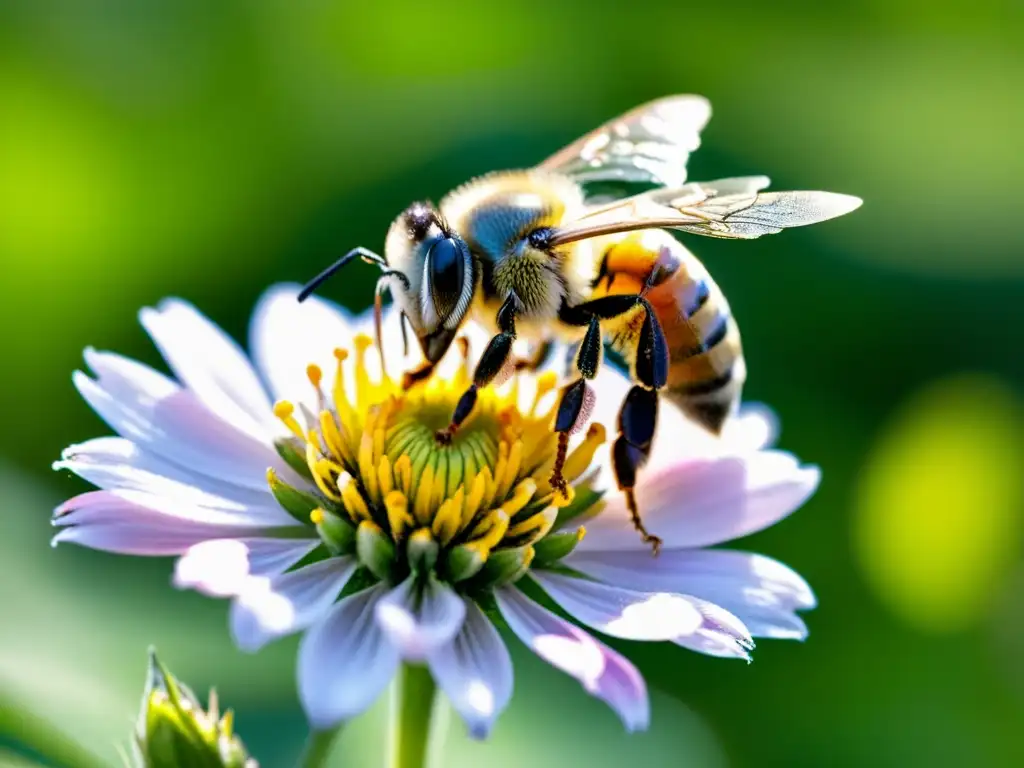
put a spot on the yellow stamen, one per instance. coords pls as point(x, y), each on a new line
point(524, 492)
point(576, 463)
point(447, 521)
point(397, 506)
point(403, 474)
point(321, 469)
point(354, 503)
point(421, 506)
point(316, 516)
point(512, 467)
point(546, 382)
point(491, 530)
point(285, 411)
point(385, 477)
point(477, 494)
point(315, 375)
point(366, 466)
point(539, 524)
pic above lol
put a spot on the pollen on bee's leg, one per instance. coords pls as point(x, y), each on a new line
point(505, 372)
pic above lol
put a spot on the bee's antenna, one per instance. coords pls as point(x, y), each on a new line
point(402, 321)
point(378, 318)
point(363, 253)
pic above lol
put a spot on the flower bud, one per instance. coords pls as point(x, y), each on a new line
point(376, 551)
point(555, 546)
point(173, 730)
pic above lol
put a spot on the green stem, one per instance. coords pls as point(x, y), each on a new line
point(412, 712)
point(318, 747)
point(42, 739)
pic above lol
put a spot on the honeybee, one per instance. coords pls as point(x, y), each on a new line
point(536, 253)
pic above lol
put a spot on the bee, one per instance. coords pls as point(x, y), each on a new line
point(539, 253)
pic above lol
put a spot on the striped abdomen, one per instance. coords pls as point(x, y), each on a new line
point(706, 366)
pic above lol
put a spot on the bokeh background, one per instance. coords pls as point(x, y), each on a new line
point(205, 150)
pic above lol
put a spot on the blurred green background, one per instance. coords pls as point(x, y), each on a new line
point(206, 150)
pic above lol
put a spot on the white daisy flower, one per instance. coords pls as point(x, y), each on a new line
point(336, 513)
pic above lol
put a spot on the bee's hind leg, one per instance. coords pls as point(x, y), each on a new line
point(638, 416)
point(637, 421)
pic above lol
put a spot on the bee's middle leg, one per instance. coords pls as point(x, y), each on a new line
point(495, 359)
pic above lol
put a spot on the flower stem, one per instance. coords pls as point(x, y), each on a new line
point(318, 747)
point(412, 712)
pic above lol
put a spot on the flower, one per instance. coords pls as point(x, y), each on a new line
point(174, 730)
point(384, 546)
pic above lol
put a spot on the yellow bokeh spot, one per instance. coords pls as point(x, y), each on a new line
point(939, 508)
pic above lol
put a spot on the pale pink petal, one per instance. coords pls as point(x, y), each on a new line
point(113, 462)
point(109, 521)
point(271, 607)
point(763, 593)
point(419, 616)
point(720, 634)
point(345, 661)
point(475, 672)
point(705, 501)
point(187, 498)
point(212, 365)
point(713, 574)
point(621, 612)
point(157, 414)
point(602, 672)
point(220, 568)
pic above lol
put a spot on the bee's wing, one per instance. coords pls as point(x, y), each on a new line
point(650, 143)
point(727, 208)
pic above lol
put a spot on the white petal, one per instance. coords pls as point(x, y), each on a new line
point(602, 672)
point(113, 462)
point(212, 365)
point(720, 634)
point(286, 337)
point(754, 428)
point(345, 661)
point(104, 520)
point(419, 617)
point(713, 574)
point(271, 607)
point(762, 593)
point(706, 501)
point(475, 672)
point(622, 612)
point(220, 568)
point(187, 499)
point(157, 414)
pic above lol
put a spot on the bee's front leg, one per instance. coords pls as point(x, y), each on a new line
point(496, 359)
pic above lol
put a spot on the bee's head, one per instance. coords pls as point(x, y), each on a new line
point(440, 278)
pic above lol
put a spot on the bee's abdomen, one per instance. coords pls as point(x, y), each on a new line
point(706, 366)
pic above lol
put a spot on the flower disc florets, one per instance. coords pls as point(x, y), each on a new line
point(474, 512)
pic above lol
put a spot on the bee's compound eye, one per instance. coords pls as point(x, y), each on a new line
point(446, 265)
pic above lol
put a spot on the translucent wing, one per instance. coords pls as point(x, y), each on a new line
point(727, 208)
point(650, 143)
